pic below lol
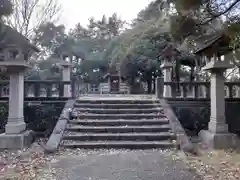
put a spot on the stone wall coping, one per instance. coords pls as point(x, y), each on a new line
point(57, 134)
point(182, 139)
point(197, 100)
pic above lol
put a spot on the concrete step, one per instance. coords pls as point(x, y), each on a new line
point(118, 111)
point(118, 129)
point(121, 122)
point(117, 116)
point(116, 106)
point(119, 136)
point(119, 144)
point(117, 101)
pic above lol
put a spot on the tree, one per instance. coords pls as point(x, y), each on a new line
point(88, 44)
point(92, 71)
point(49, 37)
point(93, 41)
point(193, 19)
point(5, 10)
point(30, 14)
point(197, 17)
point(138, 49)
point(79, 32)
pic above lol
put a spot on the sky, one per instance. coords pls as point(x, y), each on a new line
point(75, 11)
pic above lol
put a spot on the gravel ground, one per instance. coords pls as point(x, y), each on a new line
point(216, 164)
point(33, 164)
point(118, 165)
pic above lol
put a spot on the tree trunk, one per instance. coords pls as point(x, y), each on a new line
point(154, 85)
point(149, 84)
point(131, 83)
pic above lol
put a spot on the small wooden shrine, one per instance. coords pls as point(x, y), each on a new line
point(114, 79)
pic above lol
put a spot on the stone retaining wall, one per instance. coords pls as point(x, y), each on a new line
point(40, 118)
point(194, 115)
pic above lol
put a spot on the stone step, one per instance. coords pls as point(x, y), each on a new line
point(122, 122)
point(118, 129)
point(115, 106)
point(117, 101)
point(118, 111)
point(119, 144)
point(119, 136)
point(117, 116)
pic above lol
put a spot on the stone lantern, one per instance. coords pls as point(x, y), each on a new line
point(213, 46)
point(14, 60)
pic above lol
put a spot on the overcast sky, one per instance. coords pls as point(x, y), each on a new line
point(75, 11)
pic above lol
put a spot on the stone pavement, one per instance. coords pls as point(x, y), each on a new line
point(120, 165)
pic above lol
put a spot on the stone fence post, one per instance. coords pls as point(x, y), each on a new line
point(217, 136)
point(159, 87)
point(167, 75)
point(66, 73)
point(237, 91)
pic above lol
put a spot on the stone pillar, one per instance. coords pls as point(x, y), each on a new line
point(159, 87)
point(182, 91)
point(237, 91)
point(203, 91)
point(217, 136)
point(66, 73)
point(167, 75)
point(16, 136)
point(16, 122)
point(109, 84)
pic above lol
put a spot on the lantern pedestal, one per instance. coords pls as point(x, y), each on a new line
point(217, 136)
point(16, 136)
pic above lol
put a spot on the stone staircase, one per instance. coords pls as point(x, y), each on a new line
point(118, 123)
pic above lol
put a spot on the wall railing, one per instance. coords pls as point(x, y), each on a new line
point(200, 90)
point(34, 89)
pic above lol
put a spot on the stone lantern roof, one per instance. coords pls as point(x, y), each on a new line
point(216, 43)
point(59, 61)
point(12, 37)
point(15, 50)
point(183, 57)
point(69, 51)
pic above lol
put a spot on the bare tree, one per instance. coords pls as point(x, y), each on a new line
point(30, 14)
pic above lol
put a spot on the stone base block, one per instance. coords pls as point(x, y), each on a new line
point(16, 141)
point(15, 128)
point(218, 140)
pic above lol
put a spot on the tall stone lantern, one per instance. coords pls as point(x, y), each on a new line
point(14, 59)
point(212, 46)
